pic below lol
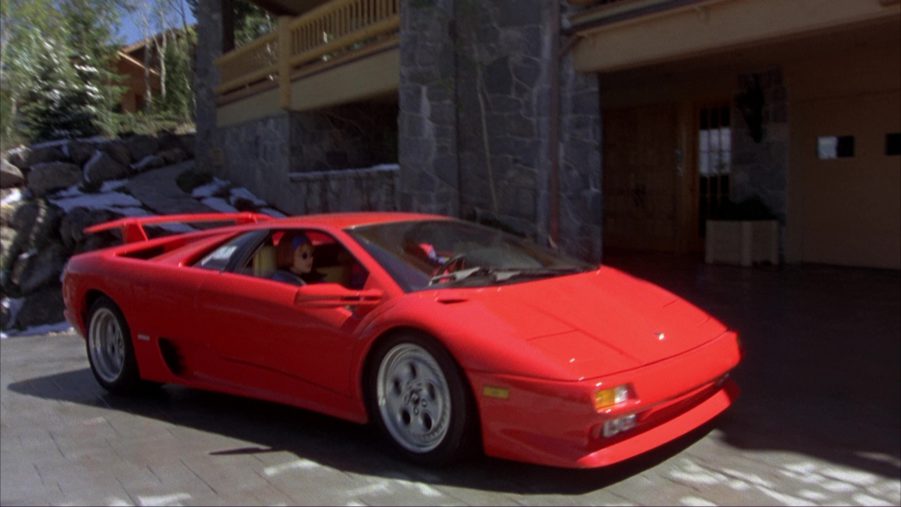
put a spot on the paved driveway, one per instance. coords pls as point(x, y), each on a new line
point(818, 421)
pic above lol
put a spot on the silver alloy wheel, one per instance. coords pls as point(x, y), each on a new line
point(413, 398)
point(106, 343)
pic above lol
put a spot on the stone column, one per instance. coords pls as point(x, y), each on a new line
point(475, 105)
point(427, 120)
point(206, 78)
point(581, 212)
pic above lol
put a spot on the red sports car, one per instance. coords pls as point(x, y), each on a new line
point(447, 334)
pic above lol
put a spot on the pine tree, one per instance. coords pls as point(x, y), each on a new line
point(57, 105)
point(57, 67)
point(90, 28)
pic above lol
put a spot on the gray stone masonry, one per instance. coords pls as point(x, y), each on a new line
point(206, 77)
point(311, 162)
point(427, 123)
point(470, 131)
point(474, 123)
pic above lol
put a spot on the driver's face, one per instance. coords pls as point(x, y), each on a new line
point(303, 259)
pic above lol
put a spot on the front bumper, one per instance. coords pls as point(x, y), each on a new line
point(554, 423)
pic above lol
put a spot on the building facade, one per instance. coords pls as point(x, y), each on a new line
point(592, 125)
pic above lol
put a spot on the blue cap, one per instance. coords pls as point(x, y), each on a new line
point(298, 241)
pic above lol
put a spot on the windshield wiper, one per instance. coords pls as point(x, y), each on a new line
point(501, 275)
point(461, 274)
point(547, 271)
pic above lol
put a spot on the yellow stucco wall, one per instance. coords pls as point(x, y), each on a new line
point(848, 210)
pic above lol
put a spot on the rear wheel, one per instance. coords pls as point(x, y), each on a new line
point(110, 350)
point(420, 400)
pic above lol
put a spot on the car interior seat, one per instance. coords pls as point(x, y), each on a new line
point(264, 261)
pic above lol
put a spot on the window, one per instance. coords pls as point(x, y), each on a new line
point(300, 257)
point(219, 258)
point(714, 161)
point(832, 147)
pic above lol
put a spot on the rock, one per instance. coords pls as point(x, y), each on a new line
point(37, 223)
point(173, 156)
point(42, 269)
point(168, 141)
point(43, 155)
point(42, 307)
point(8, 311)
point(141, 146)
point(117, 150)
point(8, 236)
point(71, 228)
point(24, 216)
point(187, 144)
point(47, 176)
point(7, 211)
point(79, 151)
point(10, 175)
point(97, 241)
point(148, 162)
point(18, 156)
point(101, 167)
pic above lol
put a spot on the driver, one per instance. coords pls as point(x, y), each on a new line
point(300, 271)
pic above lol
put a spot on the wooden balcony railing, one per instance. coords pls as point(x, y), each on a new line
point(332, 32)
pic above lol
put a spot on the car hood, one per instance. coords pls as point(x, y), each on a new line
point(597, 323)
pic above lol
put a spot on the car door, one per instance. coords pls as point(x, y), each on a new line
point(273, 343)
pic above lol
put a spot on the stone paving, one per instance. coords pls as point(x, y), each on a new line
point(817, 423)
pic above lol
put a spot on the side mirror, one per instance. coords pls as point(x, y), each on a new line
point(333, 295)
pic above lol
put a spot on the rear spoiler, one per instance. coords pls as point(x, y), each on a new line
point(132, 228)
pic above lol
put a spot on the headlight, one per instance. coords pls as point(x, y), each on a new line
point(610, 396)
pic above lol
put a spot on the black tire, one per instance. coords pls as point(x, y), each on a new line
point(458, 437)
point(122, 380)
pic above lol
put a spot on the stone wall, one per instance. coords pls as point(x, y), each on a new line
point(311, 162)
point(475, 119)
point(761, 168)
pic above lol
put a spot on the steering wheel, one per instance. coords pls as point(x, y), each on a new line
point(455, 263)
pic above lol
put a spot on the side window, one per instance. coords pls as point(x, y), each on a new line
point(220, 257)
point(299, 257)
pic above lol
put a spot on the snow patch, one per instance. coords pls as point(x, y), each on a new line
point(208, 189)
point(108, 201)
point(12, 307)
point(59, 327)
point(14, 196)
point(71, 191)
point(110, 185)
point(90, 164)
point(243, 193)
point(219, 204)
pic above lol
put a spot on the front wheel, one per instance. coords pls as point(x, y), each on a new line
point(420, 400)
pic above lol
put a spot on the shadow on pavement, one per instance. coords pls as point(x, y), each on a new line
point(332, 442)
point(821, 374)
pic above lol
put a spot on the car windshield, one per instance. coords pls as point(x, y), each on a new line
point(444, 253)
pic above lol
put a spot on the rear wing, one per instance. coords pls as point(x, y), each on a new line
point(132, 228)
